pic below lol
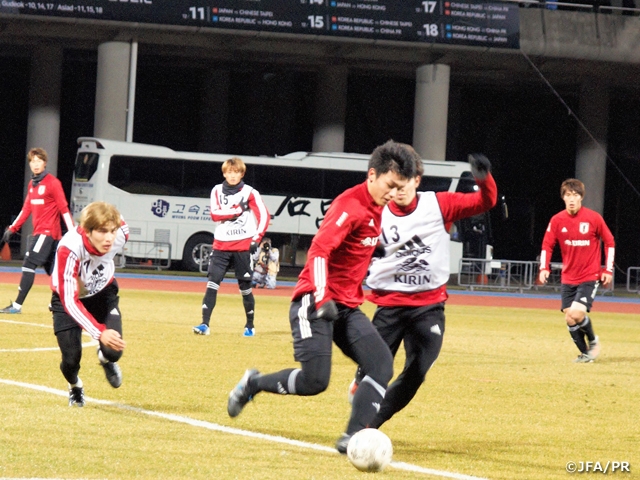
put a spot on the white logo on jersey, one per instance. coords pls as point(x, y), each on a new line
point(342, 218)
point(577, 243)
point(564, 230)
point(41, 189)
point(372, 223)
point(369, 242)
point(584, 227)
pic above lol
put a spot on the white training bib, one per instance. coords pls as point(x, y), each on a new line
point(416, 249)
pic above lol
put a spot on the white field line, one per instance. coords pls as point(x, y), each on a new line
point(236, 431)
point(92, 343)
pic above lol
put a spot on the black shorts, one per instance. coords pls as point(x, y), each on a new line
point(394, 324)
point(584, 293)
point(41, 252)
point(98, 305)
point(221, 262)
point(313, 336)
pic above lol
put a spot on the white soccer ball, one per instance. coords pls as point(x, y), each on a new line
point(369, 450)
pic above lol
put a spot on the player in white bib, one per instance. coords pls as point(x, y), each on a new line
point(409, 274)
point(85, 294)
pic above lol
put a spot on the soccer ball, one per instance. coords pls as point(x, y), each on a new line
point(369, 450)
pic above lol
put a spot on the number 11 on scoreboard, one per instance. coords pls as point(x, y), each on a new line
point(197, 13)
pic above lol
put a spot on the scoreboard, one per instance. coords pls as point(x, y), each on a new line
point(466, 22)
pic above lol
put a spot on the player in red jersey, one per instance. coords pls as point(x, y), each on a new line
point(409, 274)
point(579, 231)
point(45, 202)
point(85, 294)
point(324, 307)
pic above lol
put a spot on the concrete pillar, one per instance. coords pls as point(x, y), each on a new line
point(431, 111)
point(331, 108)
point(591, 153)
point(43, 124)
point(215, 112)
point(112, 88)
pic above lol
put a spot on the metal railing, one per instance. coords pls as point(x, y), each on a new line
point(633, 279)
point(480, 273)
point(554, 280)
point(205, 253)
point(506, 275)
point(144, 254)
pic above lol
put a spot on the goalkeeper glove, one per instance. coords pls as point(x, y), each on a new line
point(328, 311)
point(480, 165)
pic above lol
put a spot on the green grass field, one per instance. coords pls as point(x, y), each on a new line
point(504, 400)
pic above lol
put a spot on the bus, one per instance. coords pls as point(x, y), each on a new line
point(164, 195)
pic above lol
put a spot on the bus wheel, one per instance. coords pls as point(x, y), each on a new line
point(191, 259)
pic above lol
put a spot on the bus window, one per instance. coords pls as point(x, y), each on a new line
point(146, 176)
point(467, 183)
point(276, 180)
point(434, 184)
point(337, 181)
point(200, 177)
point(86, 165)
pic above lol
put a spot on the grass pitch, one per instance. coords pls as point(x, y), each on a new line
point(504, 400)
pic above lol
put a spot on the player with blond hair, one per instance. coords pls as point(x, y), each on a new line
point(242, 219)
point(85, 294)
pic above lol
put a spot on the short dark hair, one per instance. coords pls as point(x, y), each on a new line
point(395, 157)
point(572, 185)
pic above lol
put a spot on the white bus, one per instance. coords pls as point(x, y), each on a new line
point(164, 195)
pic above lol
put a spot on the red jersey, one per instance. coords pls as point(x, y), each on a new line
point(46, 202)
point(340, 252)
point(579, 237)
point(452, 207)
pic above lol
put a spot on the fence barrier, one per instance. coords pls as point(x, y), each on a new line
point(554, 283)
point(633, 279)
point(496, 274)
point(480, 273)
point(205, 253)
point(144, 254)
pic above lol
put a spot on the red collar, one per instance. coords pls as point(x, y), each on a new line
point(87, 243)
point(403, 211)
